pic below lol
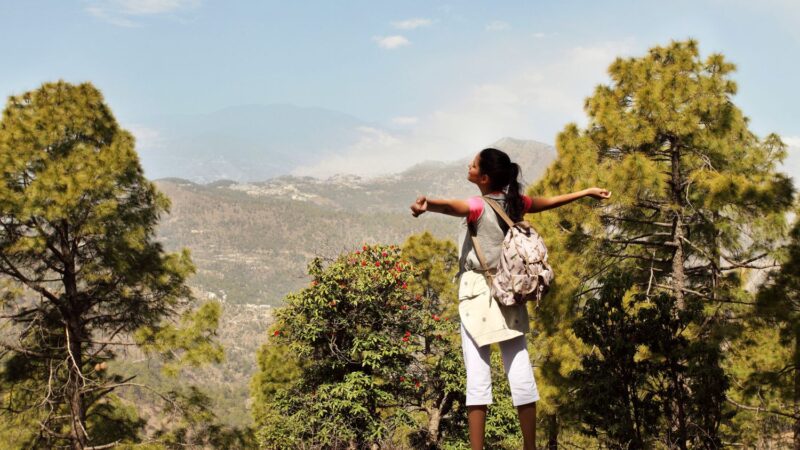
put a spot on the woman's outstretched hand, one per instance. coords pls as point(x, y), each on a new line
point(420, 206)
point(598, 193)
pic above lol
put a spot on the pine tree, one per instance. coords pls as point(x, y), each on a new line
point(778, 308)
point(697, 201)
point(83, 274)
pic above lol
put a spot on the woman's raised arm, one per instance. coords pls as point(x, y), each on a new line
point(539, 204)
point(458, 208)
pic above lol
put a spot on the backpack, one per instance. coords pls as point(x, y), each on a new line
point(523, 273)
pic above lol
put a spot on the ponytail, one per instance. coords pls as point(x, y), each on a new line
point(503, 175)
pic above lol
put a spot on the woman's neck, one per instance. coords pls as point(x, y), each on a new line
point(486, 190)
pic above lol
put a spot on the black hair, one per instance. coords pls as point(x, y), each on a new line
point(503, 175)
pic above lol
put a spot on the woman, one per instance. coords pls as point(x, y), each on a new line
point(483, 321)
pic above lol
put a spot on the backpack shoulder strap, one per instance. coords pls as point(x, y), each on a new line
point(473, 233)
point(500, 212)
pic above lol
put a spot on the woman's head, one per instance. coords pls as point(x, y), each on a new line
point(494, 168)
point(496, 165)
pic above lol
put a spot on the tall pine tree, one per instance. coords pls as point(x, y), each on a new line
point(698, 201)
point(82, 272)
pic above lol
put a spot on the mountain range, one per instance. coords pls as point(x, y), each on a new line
point(243, 143)
point(251, 242)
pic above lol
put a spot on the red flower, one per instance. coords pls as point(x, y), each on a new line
point(276, 333)
point(418, 297)
point(416, 383)
point(377, 263)
point(314, 283)
point(405, 285)
point(408, 333)
point(405, 338)
point(404, 307)
point(436, 318)
point(384, 254)
point(402, 379)
point(363, 263)
point(358, 252)
point(447, 319)
point(365, 248)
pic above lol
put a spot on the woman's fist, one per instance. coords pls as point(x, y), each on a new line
point(420, 206)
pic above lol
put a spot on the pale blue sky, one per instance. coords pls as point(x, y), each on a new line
point(435, 79)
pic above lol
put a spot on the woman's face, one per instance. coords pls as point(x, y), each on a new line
point(474, 173)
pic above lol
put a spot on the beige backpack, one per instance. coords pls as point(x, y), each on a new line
point(523, 273)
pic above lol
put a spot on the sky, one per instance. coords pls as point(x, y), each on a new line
point(433, 79)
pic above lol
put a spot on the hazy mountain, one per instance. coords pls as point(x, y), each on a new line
point(243, 143)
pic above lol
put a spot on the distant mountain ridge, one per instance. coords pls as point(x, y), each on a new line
point(252, 241)
point(391, 192)
point(242, 143)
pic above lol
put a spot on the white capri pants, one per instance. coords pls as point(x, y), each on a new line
point(517, 364)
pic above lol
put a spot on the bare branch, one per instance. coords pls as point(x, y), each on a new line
point(759, 409)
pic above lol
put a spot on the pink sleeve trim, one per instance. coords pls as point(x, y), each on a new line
point(475, 209)
point(528, 202)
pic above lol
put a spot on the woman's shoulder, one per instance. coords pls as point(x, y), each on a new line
point(475, 204)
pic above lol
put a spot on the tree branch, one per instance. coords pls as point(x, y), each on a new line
point(758, 408)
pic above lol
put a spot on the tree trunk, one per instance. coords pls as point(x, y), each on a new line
point(796, 405)
point(75, 387)
point(74, 336)
point(678, 257)
point(552, 432)
point(434, 420)
point(678, 285)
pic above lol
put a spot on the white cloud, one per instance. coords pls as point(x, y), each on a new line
point(376, 152)
point(148, 7)
point(411, 24)
point(391, 42)
point(539, 35)
point(146, 138)
point(497, 25)
point(533, 99)
point(791, 141)
point(791, 165)
point(405, 120)
point(124, 12)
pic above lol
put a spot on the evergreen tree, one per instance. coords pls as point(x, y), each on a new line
point(698, 202)
point(778, 308)
point(83, 274)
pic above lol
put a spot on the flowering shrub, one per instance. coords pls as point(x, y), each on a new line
point(371, 347)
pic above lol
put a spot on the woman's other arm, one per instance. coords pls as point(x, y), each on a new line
point(539, 204)
point(458, 208)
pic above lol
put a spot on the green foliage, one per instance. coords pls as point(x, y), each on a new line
point(189, 343)
point(624, 387)
point(767, 356)
point(370, 344)
point(277, 368)
point(697, 199)
point(77, 250)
